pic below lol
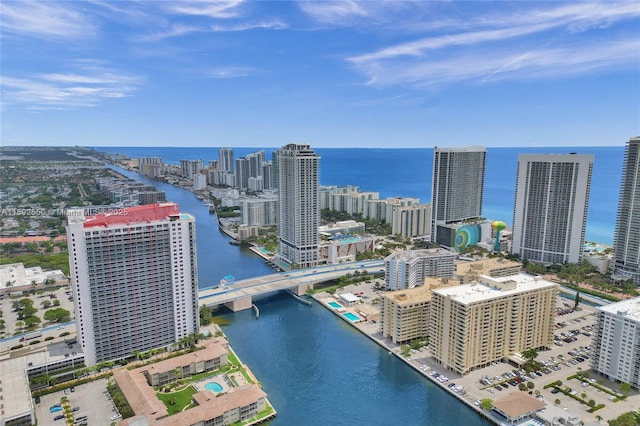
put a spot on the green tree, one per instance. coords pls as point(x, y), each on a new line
point(522, 387)
point(577, 300)
point(57, 315)
point(486, 404)
point(32, 321)
point(557, 401)
point(530, 355)
point(530, 385)
point(626, 419)
point(406, 350)
point(625, 388)
point(206, 317)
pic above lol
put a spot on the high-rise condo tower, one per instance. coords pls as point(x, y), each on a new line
point(299, 208)
point(458, 185)
point(627, 237)
point(550, 213)
point(134, 279)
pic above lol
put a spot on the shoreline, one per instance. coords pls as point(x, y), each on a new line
point(391, 350)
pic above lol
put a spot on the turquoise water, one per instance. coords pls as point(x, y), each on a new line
point(213, 386)
point(351, 317)
point(335, 305)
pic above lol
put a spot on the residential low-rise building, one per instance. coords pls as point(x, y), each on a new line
point(211, 357)
point(345, 248)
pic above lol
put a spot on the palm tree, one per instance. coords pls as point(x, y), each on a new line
point(530, 355)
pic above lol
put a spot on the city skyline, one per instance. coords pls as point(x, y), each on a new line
point(330, 74)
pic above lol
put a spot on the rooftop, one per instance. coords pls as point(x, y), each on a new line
point(137, 214)
point(491, 288)
point(214, 348)
point(409, 296)
point(518, 404)
point(409, 255)
point(629, 308)
point(485, 266)
point(15, 392)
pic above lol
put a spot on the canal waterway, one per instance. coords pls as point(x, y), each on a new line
point(315, 368)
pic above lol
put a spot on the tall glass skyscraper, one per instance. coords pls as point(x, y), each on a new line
point(458, 185)
point(550, 214)
point(225, 159)
point(299, 207)
point(627, 237)
point(134, 278)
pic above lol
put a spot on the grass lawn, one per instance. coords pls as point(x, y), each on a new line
point(183, 398)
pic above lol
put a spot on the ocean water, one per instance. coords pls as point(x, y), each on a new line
point(408, 173)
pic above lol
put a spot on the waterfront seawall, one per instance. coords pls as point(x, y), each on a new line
point(393, 351)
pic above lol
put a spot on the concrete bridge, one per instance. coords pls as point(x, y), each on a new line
point(239, 295)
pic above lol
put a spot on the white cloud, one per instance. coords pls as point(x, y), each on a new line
point(44, 20)
point(334, 12)
point(67, 91)
point(228, 72)
point(563, 40)
point(212, 9)
point(274, 25)
point(175, 30)
point(483, 66)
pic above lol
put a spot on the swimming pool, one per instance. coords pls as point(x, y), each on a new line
point(335, 305)
point(351, 317)
point(213, 386)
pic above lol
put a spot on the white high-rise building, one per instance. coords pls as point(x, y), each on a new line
point(408, 269)
point(616, 342)
point(199, 181)
point(550, 214)
point(627, 237)
point(458, 185)
point(134, 279)
point(189, 168)
point(299, 208)
point(225, 159)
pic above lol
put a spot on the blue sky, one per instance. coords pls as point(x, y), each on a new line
point(330, 73)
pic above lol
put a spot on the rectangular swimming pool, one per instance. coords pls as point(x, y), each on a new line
point(335, 305)
point(351, 317)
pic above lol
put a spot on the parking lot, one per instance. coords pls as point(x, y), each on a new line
point(571, 355)
point(61, 294)
point(92, 400)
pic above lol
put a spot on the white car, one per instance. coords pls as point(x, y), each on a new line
point(116, 417)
